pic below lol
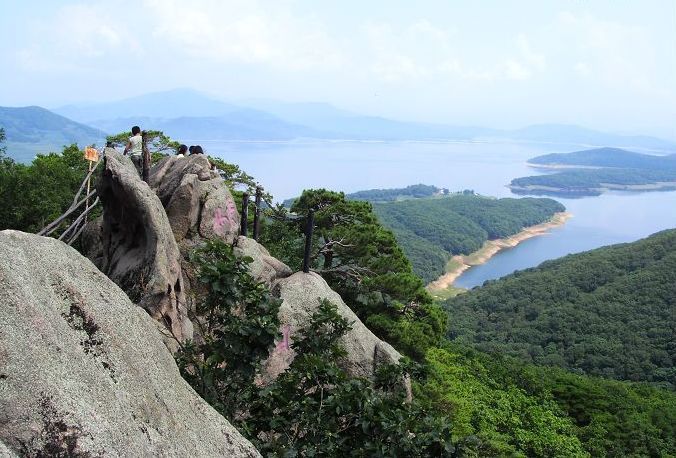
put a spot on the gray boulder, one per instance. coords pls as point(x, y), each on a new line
point(301, 294)
point(137, 248)
point(196, 199)
point(264, 268)
point(83, 371)
point(199, 207)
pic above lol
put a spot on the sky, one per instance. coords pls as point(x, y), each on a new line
point(604, 64)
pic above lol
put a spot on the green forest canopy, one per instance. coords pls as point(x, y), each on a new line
point(608, 312)
point(495, 405)
point(607, 157)
point(431, 230)
point(415, 191)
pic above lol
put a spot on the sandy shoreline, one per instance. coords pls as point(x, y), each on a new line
point(491, 247)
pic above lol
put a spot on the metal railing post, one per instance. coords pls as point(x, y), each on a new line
point(309, 229)
point(145, 158)
point(257, 214)
point(245, 214)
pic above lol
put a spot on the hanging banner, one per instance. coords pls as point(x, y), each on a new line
point(91, 154)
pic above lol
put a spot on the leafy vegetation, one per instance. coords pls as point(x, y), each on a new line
point(466, 403)
point(503, 407)
point(361, 260)
point(415, 191)
point(314, 408)
point(607, 312)
point(34, 195)
point(431, 230)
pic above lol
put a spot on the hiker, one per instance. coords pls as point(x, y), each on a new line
point(135, 149)
point(197, 149)
point(192, 147)
point(181, 151)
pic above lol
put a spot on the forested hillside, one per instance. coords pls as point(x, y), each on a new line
point(596, 170)
point(414, 191)
point(607, 157)
point(32, 130)
point(494, 405)
point(482, 404)
point(431, 230)
point(609, 312)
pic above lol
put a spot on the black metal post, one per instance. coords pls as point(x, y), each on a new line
point(309, 229)
point(257, 214)
point(245, 214)
point(145, 158)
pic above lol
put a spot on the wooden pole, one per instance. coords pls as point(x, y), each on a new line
point(309, 229)
point(89, 182)
point(257, 214)
point(245, 214)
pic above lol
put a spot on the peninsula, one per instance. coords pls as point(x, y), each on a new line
point(443, 286)
point(593, 172)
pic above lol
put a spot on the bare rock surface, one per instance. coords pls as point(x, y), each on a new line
point(264, 268)
point(196, 199)
point(199, 207)
point(83, 371)
point(137, 248)
point(301, 294)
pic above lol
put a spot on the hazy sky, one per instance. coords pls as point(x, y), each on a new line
point(504, 63)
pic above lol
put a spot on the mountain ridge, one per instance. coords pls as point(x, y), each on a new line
point(33, 129)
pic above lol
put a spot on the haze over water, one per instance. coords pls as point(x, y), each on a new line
point(286, 168)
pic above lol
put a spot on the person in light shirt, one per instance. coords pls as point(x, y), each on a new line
point(181, 151)
point(135, 148)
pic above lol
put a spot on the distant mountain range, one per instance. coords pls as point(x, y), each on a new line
point(32, 130)
point(192, 116)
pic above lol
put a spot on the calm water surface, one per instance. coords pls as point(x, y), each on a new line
point(286, 168)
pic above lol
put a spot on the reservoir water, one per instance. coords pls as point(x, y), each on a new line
point(286, 168)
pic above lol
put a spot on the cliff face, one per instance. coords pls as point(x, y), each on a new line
point(83, 371)
point(132, 244)
point(85, 354)
point(155, 232)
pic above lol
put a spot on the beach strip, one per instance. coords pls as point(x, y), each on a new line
point(460, 263)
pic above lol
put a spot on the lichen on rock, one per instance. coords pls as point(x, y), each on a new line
point(83, 371)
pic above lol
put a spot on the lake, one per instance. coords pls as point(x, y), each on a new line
point(286, 168)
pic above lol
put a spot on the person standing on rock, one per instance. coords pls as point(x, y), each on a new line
point(135, 148)
point(182, 150)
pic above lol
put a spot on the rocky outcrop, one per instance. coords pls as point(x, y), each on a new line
point(301, 294)
point(83, 371)
point(137, 250)
point(193, 205)
point(197, 201)
point(199, 207)
point(263, 267)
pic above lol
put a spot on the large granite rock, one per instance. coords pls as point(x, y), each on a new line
point(196, 199)
point(135, 246)
point(83, 371)
point(301, 294)
point(199, 207)
point(264, 268)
